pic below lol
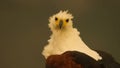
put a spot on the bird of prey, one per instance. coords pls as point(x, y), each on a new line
point(65, 48)
point(65, 37)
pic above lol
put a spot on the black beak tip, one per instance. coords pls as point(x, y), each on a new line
point(60, 24)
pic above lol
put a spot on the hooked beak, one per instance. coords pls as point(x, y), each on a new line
point(60, 24)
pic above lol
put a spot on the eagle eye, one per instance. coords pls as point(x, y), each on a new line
point(67, 20)
point(56, 18)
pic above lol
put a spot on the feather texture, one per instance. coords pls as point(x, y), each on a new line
point(66, 39)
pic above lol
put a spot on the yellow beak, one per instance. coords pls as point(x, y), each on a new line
point(61, 24)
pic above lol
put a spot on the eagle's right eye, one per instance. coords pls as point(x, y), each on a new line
point(56, 18)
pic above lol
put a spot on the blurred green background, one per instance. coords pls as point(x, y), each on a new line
point(24, 28)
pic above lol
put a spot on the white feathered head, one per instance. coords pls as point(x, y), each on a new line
point(61, 21)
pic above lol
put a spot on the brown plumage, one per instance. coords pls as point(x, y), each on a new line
point(61, 61)
point(75, 59)
point(71, 59)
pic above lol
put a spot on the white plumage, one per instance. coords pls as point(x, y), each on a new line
point(66, 38)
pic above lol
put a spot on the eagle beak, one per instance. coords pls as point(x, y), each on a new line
point(60, 24)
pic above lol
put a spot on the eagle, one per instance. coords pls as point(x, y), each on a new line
point(66, 49)
point(65, 37)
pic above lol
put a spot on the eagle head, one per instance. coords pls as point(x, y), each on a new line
point(60, 21)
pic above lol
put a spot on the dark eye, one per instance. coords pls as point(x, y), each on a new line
point(56, 18)
point(67, 20)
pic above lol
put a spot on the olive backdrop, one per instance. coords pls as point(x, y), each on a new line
point(24, 28)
